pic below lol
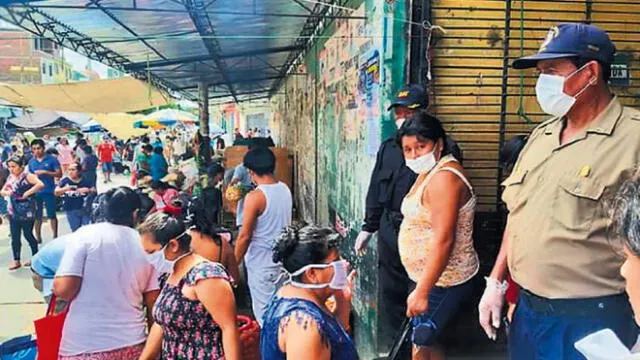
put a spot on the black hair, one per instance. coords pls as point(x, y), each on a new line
point(159, 185)
point(18, 160)
point(214, 169)
point(147, 147)
point(157, 150)
point(298, 246)
point(121, 203)
point(164, 227)
point(78, 164)
point(38, 142)
point(52, 151)
point(145, 139)
point(14, 148)
point(605, 68)
point(82, 142)
point(260, 160)
point(428, 127)
point(147, 204)
point(2, 141)
point(87, 149)
point(511, 151)
point(200, 218)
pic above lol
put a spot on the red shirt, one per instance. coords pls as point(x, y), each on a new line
point(106, 151)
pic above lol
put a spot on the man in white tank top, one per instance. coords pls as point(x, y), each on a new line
point(267, 210)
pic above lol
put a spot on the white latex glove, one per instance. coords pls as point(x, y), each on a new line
point(490, 306)
point(361, 242)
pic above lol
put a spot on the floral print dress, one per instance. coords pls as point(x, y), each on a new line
point(189, 331)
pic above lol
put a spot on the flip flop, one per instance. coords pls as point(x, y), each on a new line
point(15, 266)
point(27, 264)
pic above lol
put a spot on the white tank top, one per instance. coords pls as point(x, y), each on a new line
point(276, 216)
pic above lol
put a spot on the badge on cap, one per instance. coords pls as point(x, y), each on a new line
point(403, 94)
point(552, 34)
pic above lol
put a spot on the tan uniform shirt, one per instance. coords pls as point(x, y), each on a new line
point(559, 245)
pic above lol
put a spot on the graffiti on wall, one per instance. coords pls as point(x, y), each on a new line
point(369, 91)
point(334, 114)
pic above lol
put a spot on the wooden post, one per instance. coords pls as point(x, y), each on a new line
point(205, 141)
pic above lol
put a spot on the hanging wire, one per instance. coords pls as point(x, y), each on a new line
point(521, 110)
point(329, 5)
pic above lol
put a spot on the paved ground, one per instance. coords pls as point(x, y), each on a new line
point(20, 303)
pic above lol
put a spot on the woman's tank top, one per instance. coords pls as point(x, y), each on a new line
point(416, 233)
point(342, 347)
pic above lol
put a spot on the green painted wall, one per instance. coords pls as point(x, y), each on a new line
point(333, 117)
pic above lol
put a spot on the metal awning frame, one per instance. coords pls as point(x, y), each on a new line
point(68, 37)
point(30, 16)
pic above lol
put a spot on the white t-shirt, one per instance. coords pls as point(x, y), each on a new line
point(107, 313)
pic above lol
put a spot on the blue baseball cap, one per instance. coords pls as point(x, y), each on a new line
point(571, 40)
point(411, 96)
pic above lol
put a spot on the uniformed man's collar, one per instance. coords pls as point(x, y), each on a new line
point(607, 120)
point(603, 124)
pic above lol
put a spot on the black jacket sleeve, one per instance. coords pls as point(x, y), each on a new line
point(374, 208)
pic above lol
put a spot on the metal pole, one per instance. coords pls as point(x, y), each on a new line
point(316, 108)
point(504, 90)
point(205, 142)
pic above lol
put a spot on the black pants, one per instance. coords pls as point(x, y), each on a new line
point(393, 285)
point(17, 228)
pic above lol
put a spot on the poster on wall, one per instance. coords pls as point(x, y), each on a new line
point(369, 89)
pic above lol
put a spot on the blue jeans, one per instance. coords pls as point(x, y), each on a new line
point(443, 305)
point(45, 201)
point(536, 335)
point(77, 218)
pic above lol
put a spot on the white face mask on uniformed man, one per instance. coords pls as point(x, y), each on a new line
point(551, 96)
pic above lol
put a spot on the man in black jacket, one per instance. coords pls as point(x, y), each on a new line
point(391, 180)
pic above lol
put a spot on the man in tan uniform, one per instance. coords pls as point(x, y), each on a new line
point(556, 242)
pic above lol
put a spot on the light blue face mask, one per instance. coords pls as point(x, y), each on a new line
point(338, 282)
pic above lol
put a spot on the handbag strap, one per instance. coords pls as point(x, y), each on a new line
point(52, 305)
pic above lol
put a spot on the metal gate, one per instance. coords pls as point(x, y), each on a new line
point(484, 102)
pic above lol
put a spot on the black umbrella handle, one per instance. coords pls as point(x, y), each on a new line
point(401, 340)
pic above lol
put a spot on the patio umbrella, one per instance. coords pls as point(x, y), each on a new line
point(91, 126)
point(166, 117)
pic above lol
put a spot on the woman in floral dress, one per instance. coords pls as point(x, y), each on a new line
point(195, 313)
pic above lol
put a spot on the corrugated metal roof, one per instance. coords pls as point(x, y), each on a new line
point(241, 47)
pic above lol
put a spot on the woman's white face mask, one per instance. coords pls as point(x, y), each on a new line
point(159, 259)
point(422, 164)
point(338, 282)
